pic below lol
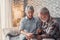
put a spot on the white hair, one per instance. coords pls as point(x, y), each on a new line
point(29, 7)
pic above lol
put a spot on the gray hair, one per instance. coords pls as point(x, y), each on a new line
point(29, 7)
point(44, 10)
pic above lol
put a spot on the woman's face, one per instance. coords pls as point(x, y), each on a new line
point(44, 17)
point(30, 14)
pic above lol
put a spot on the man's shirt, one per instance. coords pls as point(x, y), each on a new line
point(50, 28)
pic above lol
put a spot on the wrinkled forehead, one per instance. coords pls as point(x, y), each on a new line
point(44, 13)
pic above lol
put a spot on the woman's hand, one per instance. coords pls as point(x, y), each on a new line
point(29, 35)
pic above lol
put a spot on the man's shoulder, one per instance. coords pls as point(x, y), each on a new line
point(23, 19)
point(54, 20)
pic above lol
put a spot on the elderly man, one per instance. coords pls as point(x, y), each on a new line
point(28, 25)
point(49, 26)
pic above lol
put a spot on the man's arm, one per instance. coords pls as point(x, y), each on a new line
point(53, 31)
point(39, 27)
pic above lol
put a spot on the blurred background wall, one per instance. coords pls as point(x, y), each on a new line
point(18, 8)
point(52, 5)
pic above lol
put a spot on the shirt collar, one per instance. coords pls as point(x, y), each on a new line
point(29, 19)
point(50, 19)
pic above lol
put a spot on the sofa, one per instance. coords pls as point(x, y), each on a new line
point(14, 35)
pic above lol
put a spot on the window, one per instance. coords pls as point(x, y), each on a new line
point(17, 11)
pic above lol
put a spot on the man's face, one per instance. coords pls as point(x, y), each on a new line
point(44, 17)
point(30, 14)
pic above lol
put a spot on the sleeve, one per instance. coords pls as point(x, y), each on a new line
point(54, 30)
point(21, 27)
point(39, 28)
point(38, 25)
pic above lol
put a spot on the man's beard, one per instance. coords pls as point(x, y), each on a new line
point(44, 20)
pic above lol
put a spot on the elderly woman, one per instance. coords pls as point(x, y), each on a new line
point(49, 26)
point(28, 25)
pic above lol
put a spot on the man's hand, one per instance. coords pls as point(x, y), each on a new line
point(39, 31)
